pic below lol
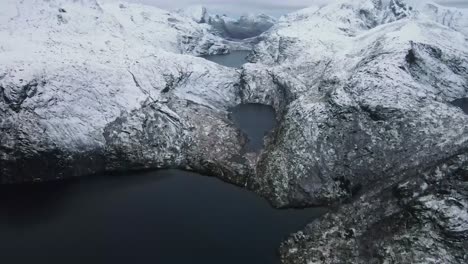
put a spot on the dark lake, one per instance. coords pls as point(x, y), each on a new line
point(462, 103)
point(235, 59)
point(163, 217)
point(256, 121)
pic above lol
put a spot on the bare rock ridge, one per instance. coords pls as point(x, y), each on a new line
point(368, 95)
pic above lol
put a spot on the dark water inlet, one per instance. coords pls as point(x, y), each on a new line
point(462, 103)
point(235, 59)
point(256, 121)
point(164, 217)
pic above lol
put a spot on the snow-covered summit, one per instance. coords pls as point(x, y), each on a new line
point(247, 26)
point(198, 13)
point(455, 18)
point(89, 22)
point(352, 16)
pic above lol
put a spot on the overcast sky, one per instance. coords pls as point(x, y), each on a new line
point(273, 7)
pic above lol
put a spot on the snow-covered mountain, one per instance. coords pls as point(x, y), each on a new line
point(197, 13)
point(384, 64)
point(70, 70)
point(363, 89)
point(247, 26)
point(146, 25)
point(451, 17)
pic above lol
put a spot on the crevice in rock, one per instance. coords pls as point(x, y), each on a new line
point(410, 57)
point(373, 114)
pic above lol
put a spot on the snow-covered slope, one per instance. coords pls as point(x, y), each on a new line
point(88, 23)
point(69, 69)
point(455, 18)
point(197, 13)
point(365, 90)
point(247, 26)
point(343, 73)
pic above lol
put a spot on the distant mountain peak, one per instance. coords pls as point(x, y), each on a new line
point(197, 13)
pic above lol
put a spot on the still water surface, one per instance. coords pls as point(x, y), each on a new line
point(164, 217)
point(256, 121)
point(235, 59)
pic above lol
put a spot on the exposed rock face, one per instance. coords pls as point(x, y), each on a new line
point(420, 219)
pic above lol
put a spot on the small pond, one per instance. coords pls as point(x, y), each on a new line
point(256, 121)
point(235, 59)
